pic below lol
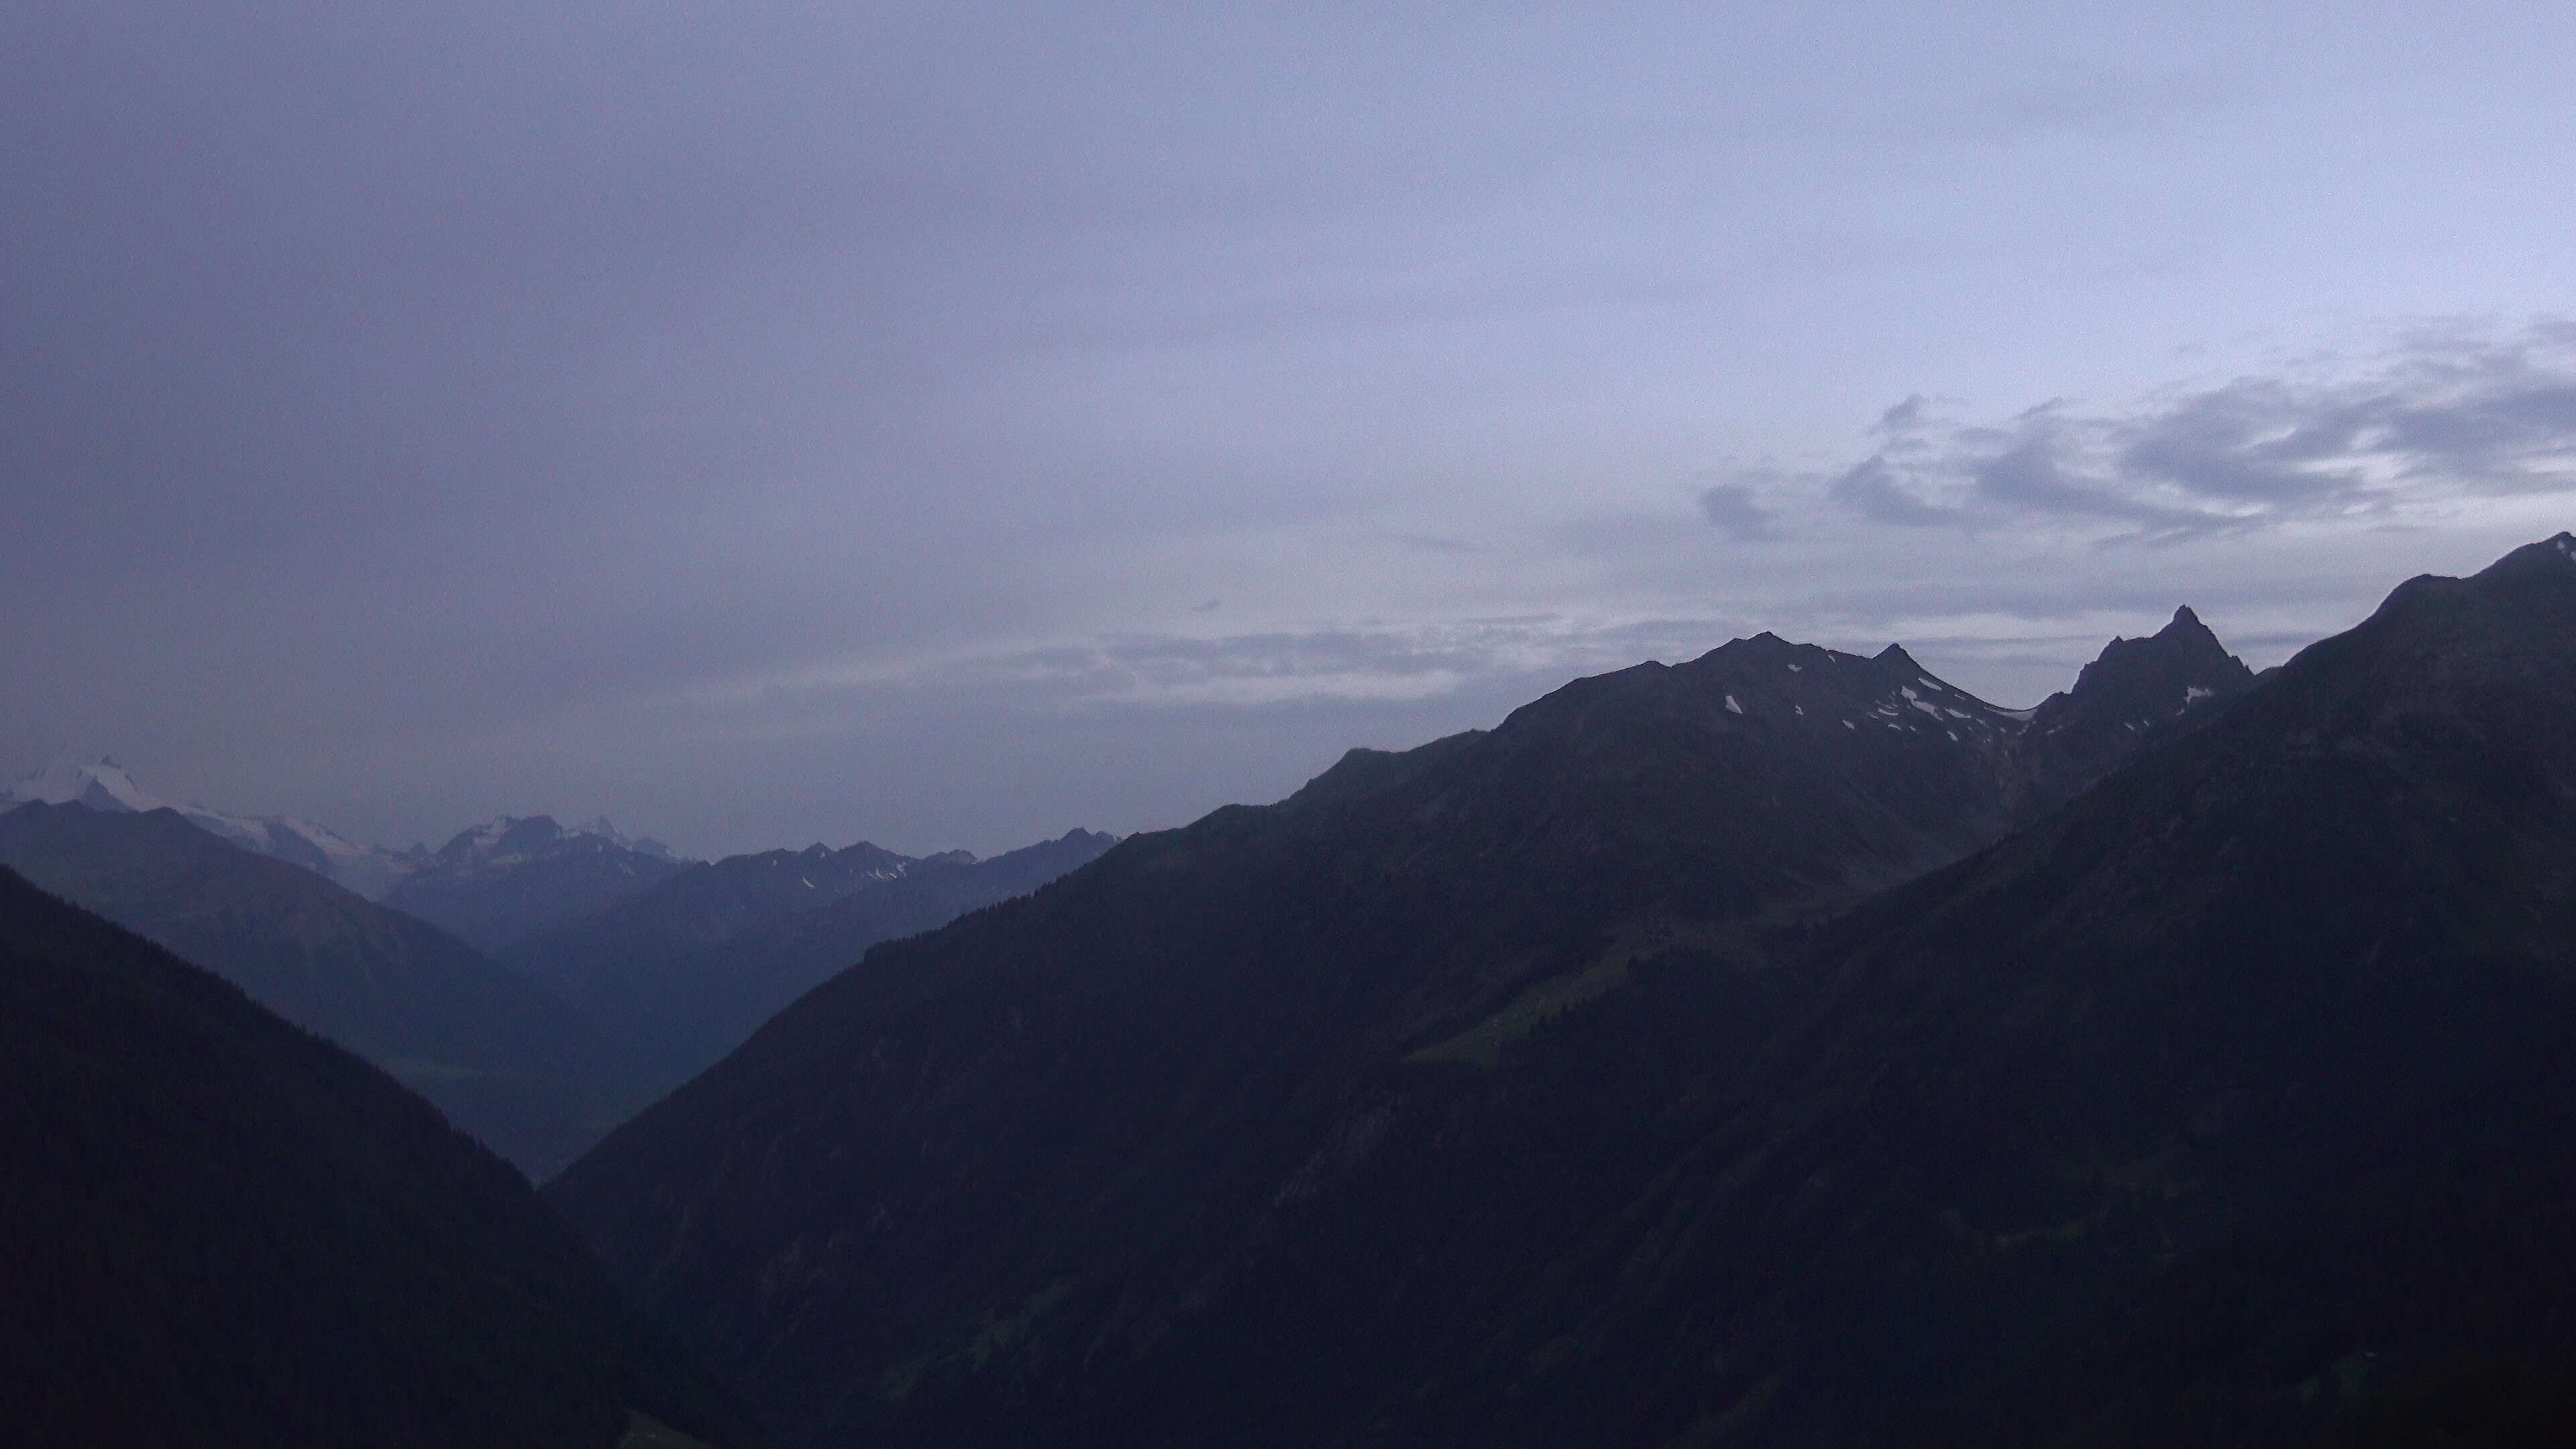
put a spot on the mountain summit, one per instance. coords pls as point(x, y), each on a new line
point(503, 883)
point(2136, 692)
point(100, 784)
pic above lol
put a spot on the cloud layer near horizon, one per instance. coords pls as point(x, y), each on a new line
point(953, 425)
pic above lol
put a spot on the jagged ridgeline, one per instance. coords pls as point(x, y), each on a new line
point(504, 883)
point(218, 1229)
point(681, 972)
point(1305, 1124)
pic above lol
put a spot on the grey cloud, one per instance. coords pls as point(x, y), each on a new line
point(1732, 510)
point(1874, 489)
point(2426, 424)
point(1268, 669)
point(2042, 470)
point(1902, 419)
point(2228, 445)
point(1437, 543)
point(2090, 100)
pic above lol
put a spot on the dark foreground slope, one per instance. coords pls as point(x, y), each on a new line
point(218, 1229)
point(2226, 1105)
point(1043, 1142)
point(682, 972)
point(504, 1059)
point(2245, 1082)
point(1500, 1094)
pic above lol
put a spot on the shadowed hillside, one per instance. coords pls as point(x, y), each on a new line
point(505, 1059)
point(218, 1229)
point(1071, 1130)
point(1557, 1085)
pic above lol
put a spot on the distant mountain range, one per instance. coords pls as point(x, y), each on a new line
point(1780, 1048)
point(503, 884)
point(679, 973)
point(642, 967)
point(501, 1056)
point(104, 785)
point(216, 1229)
point(494, 883)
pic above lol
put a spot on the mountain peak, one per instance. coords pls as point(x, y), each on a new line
point(100, 783)
point(515, 835)
point(2551, 559)
point(2179, 659)
point(2132, 689)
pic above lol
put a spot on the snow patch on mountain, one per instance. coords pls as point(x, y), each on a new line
point(102, 784)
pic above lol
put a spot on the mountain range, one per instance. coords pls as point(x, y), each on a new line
point(1783, 1047)
point(1240, 1133)
point(679, 973)
point(1778, 1048)
point(505, 883)
point(499, 881)
point(678, 960)
point(105, 786)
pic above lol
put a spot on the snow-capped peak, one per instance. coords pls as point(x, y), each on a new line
point(100, 784)
point(511, 840)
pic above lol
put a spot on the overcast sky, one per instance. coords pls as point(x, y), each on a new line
point(952, 424)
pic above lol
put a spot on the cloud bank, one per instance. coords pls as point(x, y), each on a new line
point(2443, 419)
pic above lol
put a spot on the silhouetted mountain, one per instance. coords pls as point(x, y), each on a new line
point(679, 974)
point(216, 1229)
point(2140, 691)
point(1511, 1091)
point(2268, 1043)
point(505, 1059)
point(1087, 1105)
point(502, 884)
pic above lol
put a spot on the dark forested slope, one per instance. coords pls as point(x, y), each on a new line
point(1084, 1107)
point(505, 1060)
point(1513, 1090)
point(218, 1229)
